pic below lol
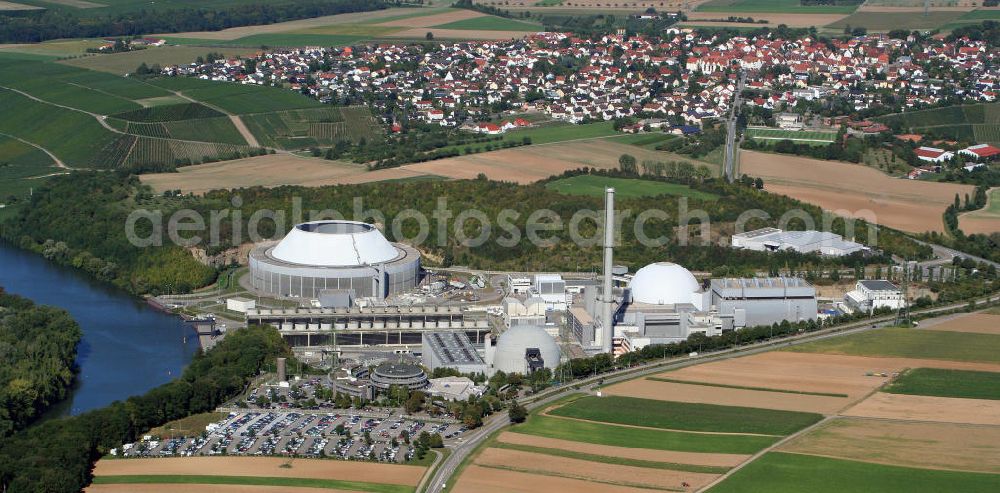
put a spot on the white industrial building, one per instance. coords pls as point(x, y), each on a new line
point(872, 295)
point(774, 239)
point(552, 289)
point(339, 255)
point(454, 388)
point(764, 301)
point(240, 304)
point(528, 312)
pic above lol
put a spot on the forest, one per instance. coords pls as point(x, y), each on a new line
point(49, 225)
point(57, 455)
point(33, 26)
point(37, 359)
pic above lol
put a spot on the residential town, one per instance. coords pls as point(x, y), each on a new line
point(683, 77)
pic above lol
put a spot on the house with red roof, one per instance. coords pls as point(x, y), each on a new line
point(981, 152)
point(933, 154)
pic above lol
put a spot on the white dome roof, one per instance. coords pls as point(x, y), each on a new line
point(663, 283)
point(335, 244)
point(508, 356)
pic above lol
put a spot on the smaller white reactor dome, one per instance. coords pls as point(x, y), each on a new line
point(663, 283)
point(335, 244)
point(509, 355)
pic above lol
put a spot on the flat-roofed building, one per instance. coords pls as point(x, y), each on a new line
point(451, 350)
point(774, 239)
point(872, 295)
point(764, 301)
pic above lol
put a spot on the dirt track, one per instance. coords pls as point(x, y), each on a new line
point(853, 189)
point(696, 458)
point(367, 472)
point(434, 19)
point(923, 445)
point(925, 408)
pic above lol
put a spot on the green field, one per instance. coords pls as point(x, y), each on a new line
point(911, 343)
point(491, 23)
point(123, 63)
point(644, 140)
point(686, 416)
point(778, 472)
point(238, 99)
point(594, 186)
point(274, 40)
point(546, 133)
point(772, 6)
point(301, 129)
point(18, 163)
point(887, 21)
point(976, 122)
point(807, 136)
point(622, 436)
point(947, 383)
point(256, 481)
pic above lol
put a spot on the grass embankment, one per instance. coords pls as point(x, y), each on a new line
point(744, 387)
point(947, 383)
point(911, 343)
point(778, 472)
point(687, 416)
point(189, 426)
point(255, 481)
point(593, 185)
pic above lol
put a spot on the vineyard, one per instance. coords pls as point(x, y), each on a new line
point(217, 129)
point(239, 99)
point(299, 129)
point(169, 113)
point(978, 123)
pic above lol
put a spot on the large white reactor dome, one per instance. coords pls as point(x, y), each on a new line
point(664, 283)
point(335, 244)
point(509, 355)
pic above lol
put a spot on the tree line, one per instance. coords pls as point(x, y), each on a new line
point(40, 25)
point(37, 359)
point(58, 455)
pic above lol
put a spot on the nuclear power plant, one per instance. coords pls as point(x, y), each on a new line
point(359, 293)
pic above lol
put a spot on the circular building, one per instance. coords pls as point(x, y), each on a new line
point(343, 255)
point(524, 349)
point(664, 283)
point(402, 374)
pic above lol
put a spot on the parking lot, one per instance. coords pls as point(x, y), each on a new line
point(345, 436)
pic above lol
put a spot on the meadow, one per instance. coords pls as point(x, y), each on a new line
point(793, 135)
point(686, 416)
point(123, 63)
point(238, 99)
point(594, 186)
point(491, 23)
point(779, 472)
point(887, 21)
point(947, 383)
point(911, 343)
point(605, 459)
point(622, 436)
point(18, 163)
point(771, 6)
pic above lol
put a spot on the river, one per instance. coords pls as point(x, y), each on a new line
point(127, 347)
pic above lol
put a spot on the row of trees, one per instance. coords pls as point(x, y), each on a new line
point(44, 24)
point(37, 359)
point(58, 455)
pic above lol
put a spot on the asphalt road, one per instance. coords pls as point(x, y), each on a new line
point(443, 474)
point(729, 171)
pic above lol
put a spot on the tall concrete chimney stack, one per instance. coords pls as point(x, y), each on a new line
point(607, 297)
